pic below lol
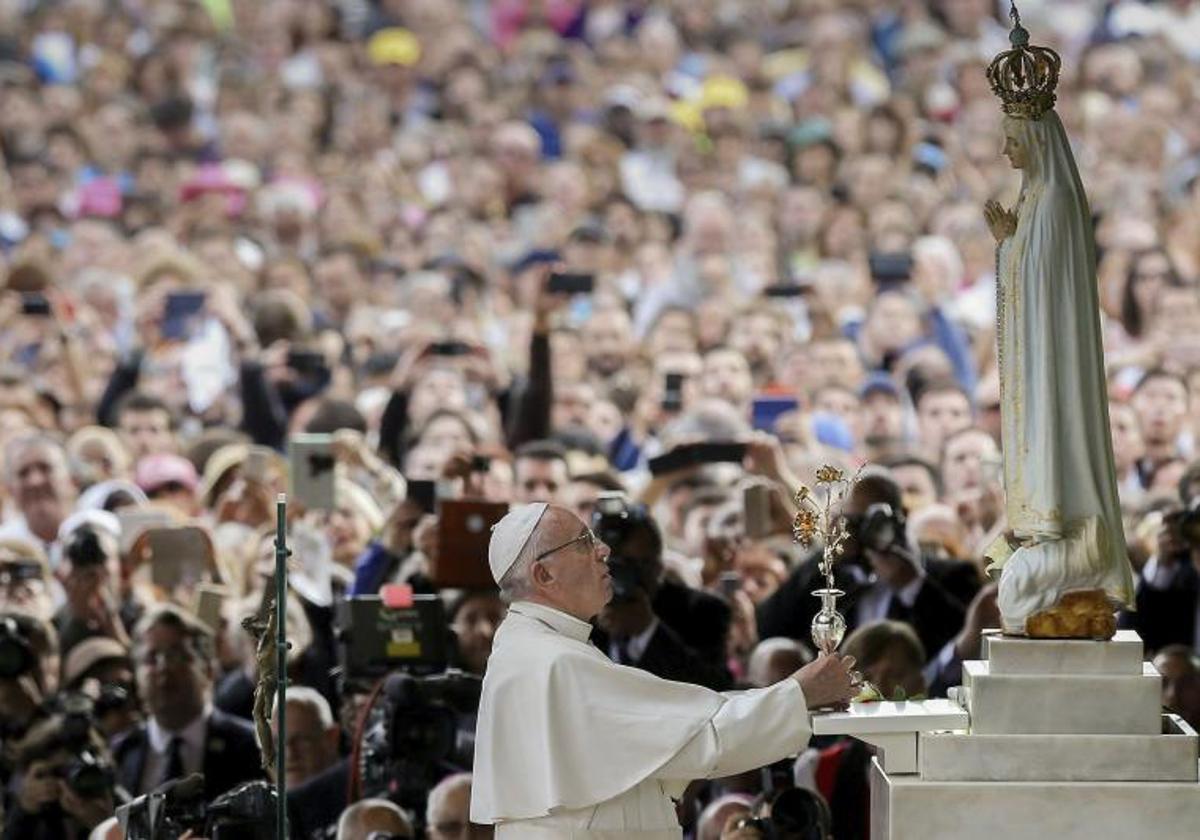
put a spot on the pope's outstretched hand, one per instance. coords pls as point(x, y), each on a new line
point(826, 681)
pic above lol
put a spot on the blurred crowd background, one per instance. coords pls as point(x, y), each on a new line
point(224, 223)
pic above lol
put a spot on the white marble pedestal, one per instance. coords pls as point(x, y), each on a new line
point(1065, 740)
point(907, 807)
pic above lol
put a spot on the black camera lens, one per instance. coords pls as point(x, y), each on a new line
point(757, 823)
point(626, 580)
point(83, 548)
point(611, 505)
point(88, 775)
point(16, 656)
point(879, 528)
point(113, 696)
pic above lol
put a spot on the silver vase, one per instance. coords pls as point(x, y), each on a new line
point(828, 625)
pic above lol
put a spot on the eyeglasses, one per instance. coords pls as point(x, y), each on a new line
point(587, 537)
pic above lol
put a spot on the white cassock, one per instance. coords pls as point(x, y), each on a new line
point(572, 745)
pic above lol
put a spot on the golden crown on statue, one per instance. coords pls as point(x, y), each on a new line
point(1024, 77)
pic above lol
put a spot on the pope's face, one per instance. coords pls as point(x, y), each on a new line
point(578, 580)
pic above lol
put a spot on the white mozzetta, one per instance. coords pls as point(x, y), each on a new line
point(1169, 757)
point(1063, 704)
point(905, 807)
point(1019, 655)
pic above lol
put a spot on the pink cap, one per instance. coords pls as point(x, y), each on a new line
point(211, 179)
point(154, 471)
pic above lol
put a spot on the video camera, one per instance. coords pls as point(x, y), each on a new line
point(410, 730)
point(165, 812)
point(378, 634)
point(245, 813)
point(412, 726)
point(614, 521)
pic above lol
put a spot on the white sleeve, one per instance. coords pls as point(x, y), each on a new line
point(751, 729)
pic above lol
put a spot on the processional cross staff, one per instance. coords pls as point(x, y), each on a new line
point(269, 628)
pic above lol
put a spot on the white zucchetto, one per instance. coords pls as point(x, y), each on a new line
point(510, 535)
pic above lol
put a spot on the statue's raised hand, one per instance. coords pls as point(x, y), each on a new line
point(1001, 222)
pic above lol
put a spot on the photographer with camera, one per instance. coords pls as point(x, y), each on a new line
point(29, 664)
point(91, 579)
point(630, 631)
point(102, 669)
point(1168, 594)
point(64, 781)
point(881, 575)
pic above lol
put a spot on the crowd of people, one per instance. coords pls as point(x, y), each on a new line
point(540, 250)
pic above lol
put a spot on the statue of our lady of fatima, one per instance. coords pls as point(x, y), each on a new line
point(1063, 565)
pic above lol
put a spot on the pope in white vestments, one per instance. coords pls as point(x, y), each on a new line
point(572, 745)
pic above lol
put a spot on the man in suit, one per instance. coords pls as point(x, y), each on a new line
point(700, 618)
point(880, 574)
point(630, 629)
point(184, 734)
point(1168, 591)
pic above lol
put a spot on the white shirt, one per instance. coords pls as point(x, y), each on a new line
point(876, 601)
point(635, 647)
point(572, 745)
point(159, 742)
